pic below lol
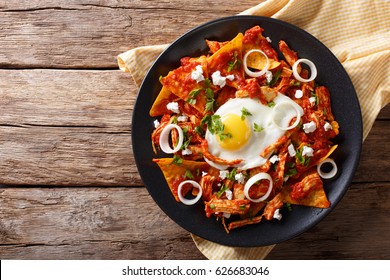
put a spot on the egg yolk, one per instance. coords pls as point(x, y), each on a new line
point(237, 132)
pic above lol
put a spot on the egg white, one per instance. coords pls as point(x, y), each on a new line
point(263, 116)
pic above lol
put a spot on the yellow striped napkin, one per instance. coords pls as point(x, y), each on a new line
point(357, 32)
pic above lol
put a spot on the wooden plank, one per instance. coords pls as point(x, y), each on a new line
point(68, 34)
point(66, 128)
point(88, 223)
point(107, 223)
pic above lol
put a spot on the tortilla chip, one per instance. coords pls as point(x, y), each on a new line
point(228, 60)
point(159, 106)
point(180, 83)
point(258, 61)
point(175, 173)
point(308, 192)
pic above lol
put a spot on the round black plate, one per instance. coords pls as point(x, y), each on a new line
point(345, 107)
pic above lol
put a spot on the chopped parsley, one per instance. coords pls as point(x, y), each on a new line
point(271, 104)
point(192, 95)
point(188, 174)
point(177, 160)
point(257, 128)
point(232, 174)
point(215, 126)
point(316, 97)
point(200, 131)
point(300, 158)
point(236, 63)
point(245, 113)
point(275, 78)
point(223, 189)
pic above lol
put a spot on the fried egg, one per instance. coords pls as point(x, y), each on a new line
point(249, 127)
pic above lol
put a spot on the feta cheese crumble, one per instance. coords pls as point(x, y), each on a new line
point(223, 174)
point(312, 100)
point(298, 93)
point(277, 214)
point(309, 127)
point(182, 118)
point(274, 159)
point(197, 75)
point(268, 76)
point(156, 123)
point(229, 194)
point(291, 150)
point(174, 107)
point(327, 126)
point(219, 80)
point(307, 151)
point(240, 178)
point(186, 152)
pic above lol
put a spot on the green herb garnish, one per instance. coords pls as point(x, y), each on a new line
point(245, 113)
point(257, 128)
point(215, 126)
point(275, 78)
point(188, 174)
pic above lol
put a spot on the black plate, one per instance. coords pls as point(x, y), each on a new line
point(345, 107)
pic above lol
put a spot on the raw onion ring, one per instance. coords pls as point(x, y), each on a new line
point(277, 109)
point(164, 139)
point(309, 63)
point(189, 201)
point(252, 181)
point(331, 173)
point(251, 73)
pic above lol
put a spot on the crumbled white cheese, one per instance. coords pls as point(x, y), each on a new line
point(274, 159)
point(204, 173)
point(240, 178)
point(174, 107)
point(312, 100)
point(197, 75)
point(219, 80)
point(327, 126)
point(291, 150)
point(277, 214)
point(298, 93)
point(223, 174)
point(268, 39)
point(156, 123)
point(186, 152)
point(226, 215)
point(182, 118)
point(268, 76)
point(307, 151)
point(229, 194)
point(309, 127)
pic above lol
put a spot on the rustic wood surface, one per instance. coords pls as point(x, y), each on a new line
point(70, 187)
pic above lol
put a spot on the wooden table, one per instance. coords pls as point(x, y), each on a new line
point(70, 187)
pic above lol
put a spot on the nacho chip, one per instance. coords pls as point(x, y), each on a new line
point(308, 192)
point(180, 83)
point(228, 60)
point(176, 173)
point(159, 106)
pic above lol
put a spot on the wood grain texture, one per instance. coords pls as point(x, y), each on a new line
point(66, 128)
point(88, 223)
point(87, 34)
